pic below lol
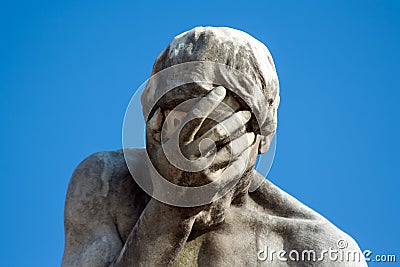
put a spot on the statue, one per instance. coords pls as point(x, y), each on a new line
point(156, 206)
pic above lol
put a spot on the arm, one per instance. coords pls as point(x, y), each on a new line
point(157, 238)
point(91, 236)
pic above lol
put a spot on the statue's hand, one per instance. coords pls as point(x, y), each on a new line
point(188, 158)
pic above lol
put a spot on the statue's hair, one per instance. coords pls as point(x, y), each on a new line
point(248, 69)
point(223, 45)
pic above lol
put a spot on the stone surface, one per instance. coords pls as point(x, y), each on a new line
point(111, 221)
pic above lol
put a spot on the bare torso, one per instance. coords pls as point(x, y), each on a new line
point(103, 195)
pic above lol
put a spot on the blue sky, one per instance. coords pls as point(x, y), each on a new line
point(69, 68)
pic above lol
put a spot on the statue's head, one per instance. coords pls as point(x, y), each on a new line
point(236, 50)
point(190, 67)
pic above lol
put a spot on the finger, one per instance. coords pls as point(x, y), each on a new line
point(154, 126)
point(224, 110)
point(233, 172)
point(222, 131)
point(201, 111)
point(231, 127)
point(234, 149)
point(155, 122)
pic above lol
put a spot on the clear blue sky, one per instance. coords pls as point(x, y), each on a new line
point(69, 68)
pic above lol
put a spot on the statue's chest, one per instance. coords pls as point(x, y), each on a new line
point(238, 245)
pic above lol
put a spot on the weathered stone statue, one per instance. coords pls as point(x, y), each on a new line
point(219, 122)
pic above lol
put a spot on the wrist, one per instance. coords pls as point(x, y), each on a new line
point(182, 215)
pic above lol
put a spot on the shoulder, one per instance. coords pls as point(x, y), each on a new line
point(304, 230)
point(332, 246)
point(95, 184)
point(103, 163)
point(100, 188)
point(89, 186)
point(94, 173)
point(88, 225)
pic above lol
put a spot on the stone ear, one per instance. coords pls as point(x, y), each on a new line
point(263, 146)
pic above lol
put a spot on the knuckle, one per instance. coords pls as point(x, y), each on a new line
point(219, 132)
point(196, 112)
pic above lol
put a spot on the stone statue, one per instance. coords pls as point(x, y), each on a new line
point(113, 220)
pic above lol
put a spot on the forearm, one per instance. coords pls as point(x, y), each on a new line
point(157, 238)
